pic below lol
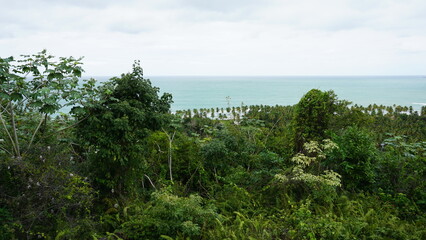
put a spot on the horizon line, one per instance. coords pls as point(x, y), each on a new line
point(311, 75)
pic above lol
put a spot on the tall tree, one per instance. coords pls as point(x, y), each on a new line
point(113, 134)
point(312, 115)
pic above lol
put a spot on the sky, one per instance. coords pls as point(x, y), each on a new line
point(223, 37)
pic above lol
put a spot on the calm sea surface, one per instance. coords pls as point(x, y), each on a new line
point(212, 91)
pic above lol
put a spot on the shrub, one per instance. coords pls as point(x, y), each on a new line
point(167, 214)
point(43, 199)
point(354, 159)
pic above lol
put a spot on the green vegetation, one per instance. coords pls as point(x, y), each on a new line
point(121, 166)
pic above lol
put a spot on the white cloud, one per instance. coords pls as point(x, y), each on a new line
point(272, 37)
point(415, 44)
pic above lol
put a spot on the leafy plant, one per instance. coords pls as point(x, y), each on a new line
point(33, 88)
point(354, 159)
point(169, 215)
point(308, 166)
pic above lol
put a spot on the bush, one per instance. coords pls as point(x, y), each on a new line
point(401, 171)
point(44, 200)
point(364, 217)
point(6, 224)
point(167, 214)
point(244, 226)
point(354, 159)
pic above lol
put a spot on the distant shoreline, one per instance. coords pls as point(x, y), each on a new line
point(191, 92)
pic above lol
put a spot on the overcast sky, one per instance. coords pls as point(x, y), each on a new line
point(223, 37)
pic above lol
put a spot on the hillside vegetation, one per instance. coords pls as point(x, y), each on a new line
point(120, 165)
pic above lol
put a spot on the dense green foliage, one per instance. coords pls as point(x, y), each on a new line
point(112, 130)
point(121, 166)
point(312, 116)
point(354, 158)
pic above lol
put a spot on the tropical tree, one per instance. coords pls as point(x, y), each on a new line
point(113, 135)
point(32, 89)
point(312, 115)
point(38, 188)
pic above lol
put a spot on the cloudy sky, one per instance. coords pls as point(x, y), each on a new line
point(223, 37)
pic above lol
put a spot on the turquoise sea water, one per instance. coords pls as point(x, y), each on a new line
point(191, 92)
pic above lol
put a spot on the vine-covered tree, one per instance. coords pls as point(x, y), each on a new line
point(113, 134)
point(312, 115)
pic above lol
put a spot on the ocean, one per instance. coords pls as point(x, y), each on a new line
point(191, 92)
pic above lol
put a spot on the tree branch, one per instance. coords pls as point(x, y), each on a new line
point(67, 127)
point(4, 108)
point(35, 132)
point(4, 149)
point(15, 131)
point(170, 138)
point(149, 179)
point(8, 133)
point(74, 124)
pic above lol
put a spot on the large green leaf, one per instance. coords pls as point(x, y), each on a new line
point(16, 96)
point(4, 95)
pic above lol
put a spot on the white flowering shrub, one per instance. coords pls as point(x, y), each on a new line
point(308, 166)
